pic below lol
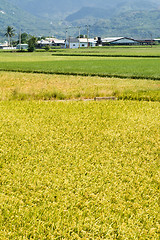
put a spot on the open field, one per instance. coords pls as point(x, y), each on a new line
point(79, 170)
point(139, 68)
point(138, 51)
point(29, 86)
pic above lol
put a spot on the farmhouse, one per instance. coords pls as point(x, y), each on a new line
point(22, 46)
point(56, 42)
point(42, 43)
point(52, 42)
point(80, 42)
point(5, 46)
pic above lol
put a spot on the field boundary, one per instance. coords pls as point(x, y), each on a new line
point(82, 74)
point(103, 55)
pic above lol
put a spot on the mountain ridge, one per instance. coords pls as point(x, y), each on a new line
point(50, 7)
point(106, 18)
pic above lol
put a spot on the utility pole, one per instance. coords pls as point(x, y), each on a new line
point(87, 35)
point(79, 35)
point(69, 42)
point(151, 40)
point(20, 39)
point(66, 39)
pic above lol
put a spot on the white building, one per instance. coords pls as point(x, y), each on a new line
point(52, 42)
point(5, 46)
point(80, 42)
point(43, 43)
point(22, 46)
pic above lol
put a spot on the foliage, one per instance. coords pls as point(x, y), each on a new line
point(47, 47)
point(80, 170)
point(24, 38)
point(9, 33)
point(32, 44)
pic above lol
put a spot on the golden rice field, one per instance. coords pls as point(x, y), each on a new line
point(28, 86)
point(79, 170)
point(72, 170)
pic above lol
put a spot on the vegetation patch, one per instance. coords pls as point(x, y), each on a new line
point(79, 170)
point(29, 86)
point(135, 68)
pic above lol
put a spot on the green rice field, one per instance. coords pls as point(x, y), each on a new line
point(129, 67)
point(73, 168)
point(123, 51)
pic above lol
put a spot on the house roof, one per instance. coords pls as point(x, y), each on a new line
point(111, 39)
point(42, 41)
point(81, 40)
point(5, 44)
point(72, 40)
point(85, 40)
point(57, 41)
point(22, 44)
point(118, 39)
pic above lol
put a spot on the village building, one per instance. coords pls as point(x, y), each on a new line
point(5, 46)
point(43, 43)
point(52, 42)
point(119, 41)
point(22, 46)
point(80, 42)
point(157, 40)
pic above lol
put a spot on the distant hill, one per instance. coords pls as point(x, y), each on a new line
point(134, 18)
point(113, 9)
point(51, 8)
point(88, 12)
point(14, 16)
point(136, 24)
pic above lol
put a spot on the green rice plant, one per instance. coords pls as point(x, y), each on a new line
point(140, 95)
point(135, 68)
point(120, 51)
point(39, 96)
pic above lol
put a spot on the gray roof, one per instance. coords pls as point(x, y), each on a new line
point(72, 40)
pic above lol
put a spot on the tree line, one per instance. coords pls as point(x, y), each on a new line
point(24, 38)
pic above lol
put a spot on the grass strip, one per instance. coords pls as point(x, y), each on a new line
point(105, 55)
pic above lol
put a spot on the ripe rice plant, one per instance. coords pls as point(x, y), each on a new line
point(27, 86)
point(79, 170)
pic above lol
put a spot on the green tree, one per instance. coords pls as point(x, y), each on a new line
point(24, 38)
point(9, 33)
point(47, 48)
point(32, 44)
